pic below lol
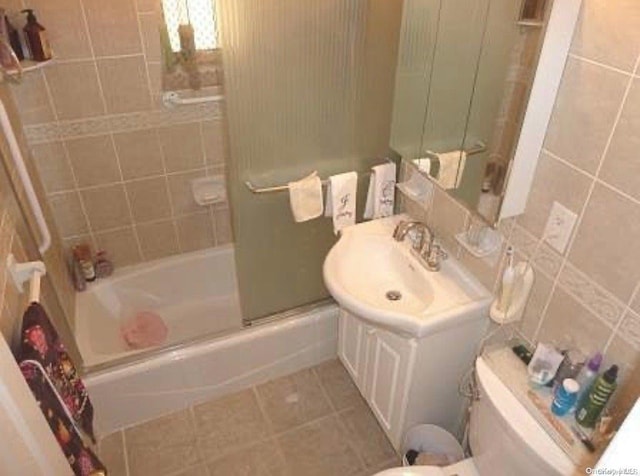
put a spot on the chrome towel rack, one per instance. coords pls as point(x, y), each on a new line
point(281, 188)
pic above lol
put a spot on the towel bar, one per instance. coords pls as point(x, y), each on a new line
point(281, 188)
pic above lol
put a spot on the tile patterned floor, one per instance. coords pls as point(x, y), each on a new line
point(312, 423)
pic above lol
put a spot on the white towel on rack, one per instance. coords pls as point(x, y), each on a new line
point(451, 168)
point(341, 200)
point(382, 188)
point(306, 198)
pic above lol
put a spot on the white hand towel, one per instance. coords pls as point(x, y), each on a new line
point(451, 168)
point(382, 187)
point(306, 198)
point(341, 200)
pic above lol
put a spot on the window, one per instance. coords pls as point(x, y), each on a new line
point(200, 14)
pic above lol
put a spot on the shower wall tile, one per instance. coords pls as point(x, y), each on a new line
point(93, 160)
point(150, 34)
point(53, 166)
point(182, 147)
point(124, 84)
point(75, 90)
point(139, 153)
point(590, 295)
point(113, 27)
point(224, 233)
point(103, 141)
point(69, 216)
point(158, 239)
point(121, 244)
point(195, 232)
point(33, 100)
point(107, 207)
point(149, 199)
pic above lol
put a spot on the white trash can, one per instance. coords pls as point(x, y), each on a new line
point(431, 439)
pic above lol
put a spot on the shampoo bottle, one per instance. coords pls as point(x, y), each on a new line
point(591, 406)
point(588, 375)
point(36, 38)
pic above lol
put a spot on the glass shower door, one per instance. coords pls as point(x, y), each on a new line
point(309, 86)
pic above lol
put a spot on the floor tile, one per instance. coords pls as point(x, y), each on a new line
point(293, 400)
point(262, 459)
point(366, 436)
point(111, 453)
point(338, 384)
point(320, 448)
point(228, 422)
point(163, 446)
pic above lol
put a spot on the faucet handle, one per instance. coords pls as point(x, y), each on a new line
point(397, 233)
point(436, 256)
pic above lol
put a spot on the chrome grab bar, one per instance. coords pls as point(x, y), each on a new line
point(171, 99)
point(18, 160)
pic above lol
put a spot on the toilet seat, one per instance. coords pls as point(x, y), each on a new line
point(463, 468)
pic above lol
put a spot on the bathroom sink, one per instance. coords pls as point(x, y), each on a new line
point(381, 280)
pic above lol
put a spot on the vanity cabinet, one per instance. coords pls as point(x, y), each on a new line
point(408, 380)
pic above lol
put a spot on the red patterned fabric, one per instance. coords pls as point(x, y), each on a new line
point(56, 385)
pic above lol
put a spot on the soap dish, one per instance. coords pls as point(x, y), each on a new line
point(488, 244)
point(209, 190)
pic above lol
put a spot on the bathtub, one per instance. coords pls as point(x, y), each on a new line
point(195, 294)
point(137, 392)
point(208, 352)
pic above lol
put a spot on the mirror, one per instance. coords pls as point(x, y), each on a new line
point(464, 81)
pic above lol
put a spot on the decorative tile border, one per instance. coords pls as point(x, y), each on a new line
point(63, 130)
point(591, 295)
point(547, 260)
point(630, 329)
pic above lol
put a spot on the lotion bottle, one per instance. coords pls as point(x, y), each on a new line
point(37, 39)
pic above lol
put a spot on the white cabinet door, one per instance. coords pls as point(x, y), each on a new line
point(352, 347)
point(389, 368)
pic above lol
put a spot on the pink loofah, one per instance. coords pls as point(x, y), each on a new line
point(145, 329)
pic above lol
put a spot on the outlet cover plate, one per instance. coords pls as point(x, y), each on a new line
point(559, 227)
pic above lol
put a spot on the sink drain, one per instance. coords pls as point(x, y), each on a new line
point(394, 295)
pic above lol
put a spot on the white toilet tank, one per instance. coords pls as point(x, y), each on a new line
point(505, 439)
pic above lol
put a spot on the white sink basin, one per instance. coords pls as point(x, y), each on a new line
point(367, 268)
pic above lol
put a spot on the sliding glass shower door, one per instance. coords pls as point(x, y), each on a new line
point(309, 86)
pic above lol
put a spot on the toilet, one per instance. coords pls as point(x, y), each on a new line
point(504, 438)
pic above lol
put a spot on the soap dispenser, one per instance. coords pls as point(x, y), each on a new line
point(36, 36)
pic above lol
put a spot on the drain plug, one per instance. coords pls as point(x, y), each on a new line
point(394, 295)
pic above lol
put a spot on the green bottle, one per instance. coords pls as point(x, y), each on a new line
point(591, 406)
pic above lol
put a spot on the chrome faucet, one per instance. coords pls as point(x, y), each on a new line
point(429, 253)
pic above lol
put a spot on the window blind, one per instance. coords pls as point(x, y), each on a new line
point(201, 14)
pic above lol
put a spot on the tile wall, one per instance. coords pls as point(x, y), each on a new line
point(17, 239)
point(590, 295)
point(115, 163)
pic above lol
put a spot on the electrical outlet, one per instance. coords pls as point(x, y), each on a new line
point(559, 227)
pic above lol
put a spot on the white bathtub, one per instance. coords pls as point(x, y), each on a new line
point(208, 352)
point(195, 294)
point(144, 390)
